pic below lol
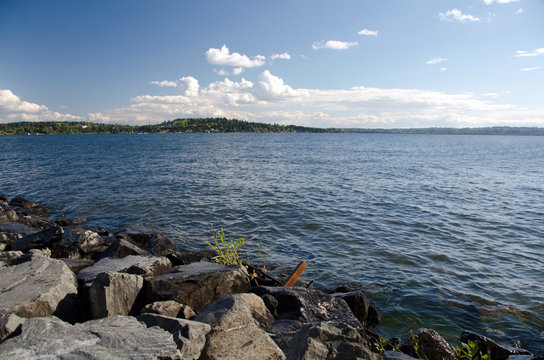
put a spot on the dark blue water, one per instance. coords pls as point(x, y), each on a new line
point(445, 232)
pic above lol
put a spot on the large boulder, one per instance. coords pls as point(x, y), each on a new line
point(42, 239)
point(40, 287)
point(361, 307)
point(297, 307)
point(430, 346)
point(121, 248)
point(238, 323)
point(78, 242)
point(190, 336)
point(117, 337)
point(26, 207)
point(330, 340)
point(140, 265)
point(155, 244)
point(8, 215)
point(197, 284)
point(76, 265)
point(113, 293)
point(490, 347)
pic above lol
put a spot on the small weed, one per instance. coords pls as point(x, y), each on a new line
point(469, 351)
point(227, 250)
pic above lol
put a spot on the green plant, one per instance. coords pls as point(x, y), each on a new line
point(381, 344)
point(227, 250)
point(469, 351)
point(415, 343)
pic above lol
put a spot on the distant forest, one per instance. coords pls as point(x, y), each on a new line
point(223, 125)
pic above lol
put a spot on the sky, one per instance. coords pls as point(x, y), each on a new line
point(342, 63)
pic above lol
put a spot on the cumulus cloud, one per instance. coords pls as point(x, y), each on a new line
point(436, 60)
point(12, 108)
point(489, 2)
point(221, 72)
point(535, 52)
point(457, 15)
point(367, 32)
point(282, 56)
point(189, 86)
point(224, 57)
point(333, 44)
point(164, 83)
point(272, 87)
point(237, 71)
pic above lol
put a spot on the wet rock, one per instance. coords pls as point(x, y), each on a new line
point(10, 324)
point(300, 306)
point(431, 346)
point(197, 284)
point(329, 340)
point(9, 256)
point(114, 293)
point(190, 336)
point(141, 265)
point(490, 347)
point(237, 323)
point(155, 244)
point(40, 287)
point(26, 207)
point(44, 238)
point(76, 265)
point(117, 337)
point(186, 258)
point(8, 215)
point(361, 307)
point(121, 248)
point(66, 220)
point(17, 228)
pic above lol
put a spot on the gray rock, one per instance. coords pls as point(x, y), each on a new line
point(237, 323)
point(114, 293)
point(16, 228)
point(44, 238)
point(190, 336)
point(146, 265)
point(78, 242)
point(300, 306)
point(431, 346)
point(186, 258)
point(40, 287)
point(121, 248)
point(3, 264)
point(329, 340)
point(67, 220)
point(10, 324)
point(8, 215)
point(9, 256)
point(361, 307)
point(3, 247)
point(76, 265)
point(396, 355)
point(491, 348)
point(197, 284)
point(155, 244)
point(117, 337)
point(32, 254)
point(169, 308)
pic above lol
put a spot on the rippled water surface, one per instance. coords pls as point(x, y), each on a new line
point(445, 232)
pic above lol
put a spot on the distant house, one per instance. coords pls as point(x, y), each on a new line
point(83, 126)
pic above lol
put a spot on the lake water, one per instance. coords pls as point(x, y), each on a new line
point(445, 232)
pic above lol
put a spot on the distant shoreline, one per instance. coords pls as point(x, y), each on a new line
point(222, 125)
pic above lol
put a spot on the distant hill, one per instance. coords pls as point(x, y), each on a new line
point(223, 125)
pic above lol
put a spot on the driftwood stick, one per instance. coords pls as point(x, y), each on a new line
point(264, 273)
point(296, 274)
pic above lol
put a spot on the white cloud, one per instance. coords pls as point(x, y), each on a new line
point(493, 95)
point(333, 44)
point(443, 69)
point(221, 72)
point(271, 99)
point(535, 52)
point(530, 68)
point(98, 117)
point(282, 56)
point(237, 71)
point(367, 32)
point(436, 60)
point(457, 15)
point(518, 11)
point(164, 83)
point(189, 86)
point(12, 108)
point(224, 57)
point(489, 2)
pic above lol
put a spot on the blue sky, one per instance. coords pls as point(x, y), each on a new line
point(387, 63)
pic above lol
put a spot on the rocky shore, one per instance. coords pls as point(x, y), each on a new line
point(73, 291)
